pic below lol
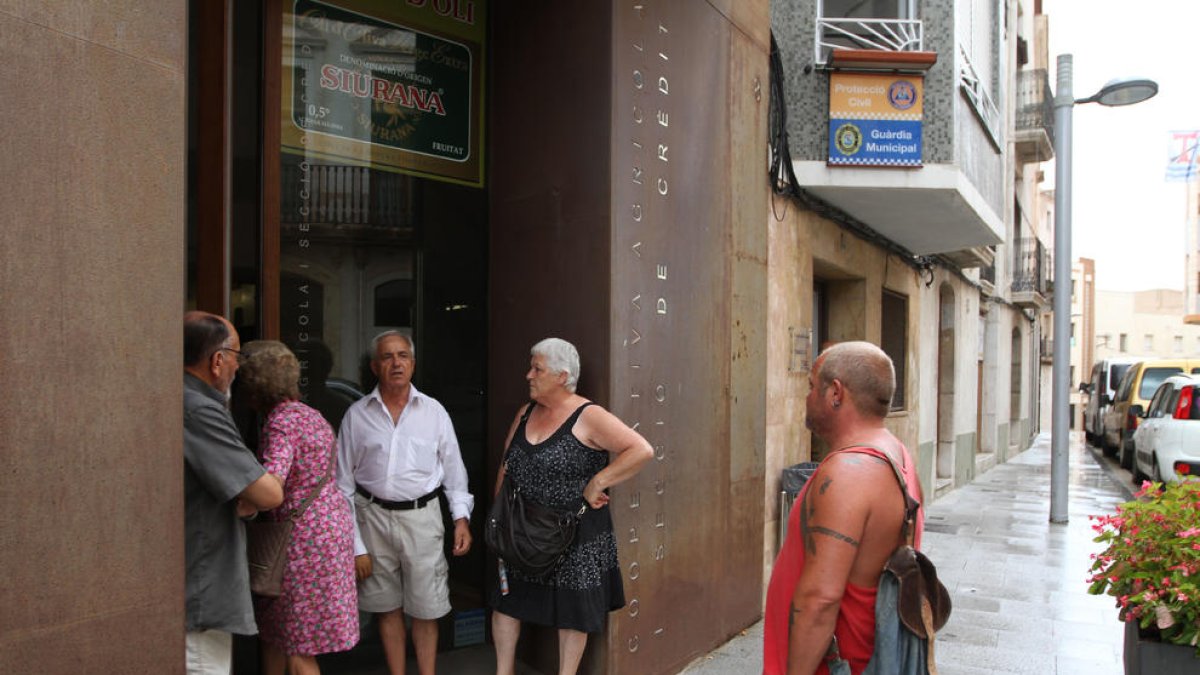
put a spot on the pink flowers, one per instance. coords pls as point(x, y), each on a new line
point(1151, 561)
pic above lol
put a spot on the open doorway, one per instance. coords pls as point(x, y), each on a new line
point(323, 241)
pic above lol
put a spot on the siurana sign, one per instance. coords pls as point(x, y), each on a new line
point(392, 85)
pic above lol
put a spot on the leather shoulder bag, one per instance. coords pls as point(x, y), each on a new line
point(267, 544)
point(911, 605)
point(528, 536)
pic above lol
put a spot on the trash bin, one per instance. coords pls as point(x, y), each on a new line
point(793, 479)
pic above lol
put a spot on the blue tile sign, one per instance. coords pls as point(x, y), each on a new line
point(875, 120)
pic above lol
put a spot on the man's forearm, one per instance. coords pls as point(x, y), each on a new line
point(810, 630)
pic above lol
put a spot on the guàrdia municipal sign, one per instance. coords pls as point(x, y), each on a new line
point(875, 120)
point(392, 85)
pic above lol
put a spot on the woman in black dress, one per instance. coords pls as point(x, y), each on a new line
point(558, 450)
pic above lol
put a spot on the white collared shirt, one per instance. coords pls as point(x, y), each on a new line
point(404, 460)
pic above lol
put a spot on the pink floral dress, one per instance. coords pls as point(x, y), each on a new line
point(317, 612)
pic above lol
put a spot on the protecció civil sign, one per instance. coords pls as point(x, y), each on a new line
point(395, 85)
point(875, 120)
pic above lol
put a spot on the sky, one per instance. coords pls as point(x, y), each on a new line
point(1125, 215)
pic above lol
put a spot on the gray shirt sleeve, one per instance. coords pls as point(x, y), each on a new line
point(213, 449)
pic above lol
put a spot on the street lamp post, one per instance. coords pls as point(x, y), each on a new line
point(1115, 93)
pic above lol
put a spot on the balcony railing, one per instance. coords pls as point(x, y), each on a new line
point(976, 91)
point(1035, 116)
point(884, 35)
point(1030, 267)
point(347, 197)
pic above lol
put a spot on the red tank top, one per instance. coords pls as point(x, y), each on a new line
point(855, 629)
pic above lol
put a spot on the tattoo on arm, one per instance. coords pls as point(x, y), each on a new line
point(857, 458)
point(806, 512)
point(808, 530)
point(835, 534)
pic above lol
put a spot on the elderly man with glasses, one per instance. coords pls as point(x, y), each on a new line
point(222, 481)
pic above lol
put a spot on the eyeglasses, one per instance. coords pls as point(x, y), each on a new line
point(237, 353)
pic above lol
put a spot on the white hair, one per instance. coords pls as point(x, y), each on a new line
point(561, 357)
point(412, 346)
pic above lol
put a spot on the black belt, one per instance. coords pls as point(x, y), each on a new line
point(397, 506)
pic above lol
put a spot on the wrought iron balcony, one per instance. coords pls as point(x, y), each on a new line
point(1035, 117)
point(340, 202)
point(1030, 274)
point(882, 35)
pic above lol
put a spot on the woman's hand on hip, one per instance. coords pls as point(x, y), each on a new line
point(595, 495)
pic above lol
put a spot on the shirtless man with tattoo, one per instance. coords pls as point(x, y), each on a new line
point(845, 523)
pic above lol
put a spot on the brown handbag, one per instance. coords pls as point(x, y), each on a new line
point(267, 544)
point(924, 603)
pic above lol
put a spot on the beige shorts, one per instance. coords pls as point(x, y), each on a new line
point(408, 566)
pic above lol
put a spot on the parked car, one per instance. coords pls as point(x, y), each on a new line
point(1137, 386)
point(1167, 441)
point(1100, 387)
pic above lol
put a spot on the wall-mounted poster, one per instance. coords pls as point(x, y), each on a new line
point(875, 120)
point(395, 85)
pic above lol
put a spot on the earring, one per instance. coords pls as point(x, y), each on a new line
point(837, 403)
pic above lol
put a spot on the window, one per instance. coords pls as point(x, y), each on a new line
point(1155, 405)
point(894, 339)
point(980, 72)
point(1118, 370)
point(1153, 377)
point(1125, 386)
point(870, 9)
point(1124, 343)
point(1014, 402)
point(393, 304)
point(1170, 403)
point(1148, 343)
point(1178, 344)
point(1072, 377)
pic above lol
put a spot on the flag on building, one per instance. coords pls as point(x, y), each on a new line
point(1182, 156)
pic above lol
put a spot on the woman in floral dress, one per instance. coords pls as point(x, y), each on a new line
point(317, 610)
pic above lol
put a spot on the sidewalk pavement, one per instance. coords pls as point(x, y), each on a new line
point(1018, 582)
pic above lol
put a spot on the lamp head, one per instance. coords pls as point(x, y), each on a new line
point(1124, 91)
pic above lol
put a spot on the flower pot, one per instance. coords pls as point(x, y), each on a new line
point(1147, 656)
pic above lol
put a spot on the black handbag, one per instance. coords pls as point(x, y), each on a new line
point(527, 536)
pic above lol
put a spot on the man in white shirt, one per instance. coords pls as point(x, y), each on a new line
point(396, 451)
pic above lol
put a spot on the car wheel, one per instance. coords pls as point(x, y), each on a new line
point(1126, 453)
point(1138, 476)
point(1155, 472)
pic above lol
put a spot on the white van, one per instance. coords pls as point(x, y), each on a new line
point(1100, 387)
